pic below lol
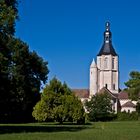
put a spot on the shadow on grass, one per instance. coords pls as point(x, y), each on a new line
point(68, 124)
point(5, 129)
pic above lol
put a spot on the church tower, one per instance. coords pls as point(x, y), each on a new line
point(105, 72)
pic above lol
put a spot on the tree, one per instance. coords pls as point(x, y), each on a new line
point(22, 72)
point(8, 16)
point(58, 103)
point(28, 72)
point(133, 85)
point(99, 107)
point(69, 109)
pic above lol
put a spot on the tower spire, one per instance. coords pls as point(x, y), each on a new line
point(107, 24)
point(107, 33)
point(107, 47)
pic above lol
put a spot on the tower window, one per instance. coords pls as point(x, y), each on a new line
point(105, 63)
point(113, 86)
point(113, 62)
point(107, 39)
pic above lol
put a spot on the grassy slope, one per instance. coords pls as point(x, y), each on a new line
point(96, 131)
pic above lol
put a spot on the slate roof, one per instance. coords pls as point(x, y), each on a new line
point(107, 49)
point(81, 93)
point(129, 104)
point(123, 95)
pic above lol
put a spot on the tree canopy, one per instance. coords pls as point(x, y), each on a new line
point(99, 107)
point(8, 16)
point(133, 85)
point(58, 103)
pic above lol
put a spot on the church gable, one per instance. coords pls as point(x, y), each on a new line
point(105, 90)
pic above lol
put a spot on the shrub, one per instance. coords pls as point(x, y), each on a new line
point(124, 116)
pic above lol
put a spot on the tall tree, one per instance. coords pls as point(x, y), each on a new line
point(21, 71)
point(28, 72)
point(133, 85)
point(8, 15)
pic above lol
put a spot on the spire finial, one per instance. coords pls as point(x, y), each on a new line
point(107, 26)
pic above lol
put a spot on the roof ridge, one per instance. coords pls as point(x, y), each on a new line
point(128, 104)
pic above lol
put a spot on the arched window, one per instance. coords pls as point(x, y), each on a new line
point(105, 63)
point(113, 63)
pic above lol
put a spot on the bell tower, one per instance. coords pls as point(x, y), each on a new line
point(107, 65)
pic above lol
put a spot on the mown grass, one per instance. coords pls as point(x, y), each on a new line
point(94, 131)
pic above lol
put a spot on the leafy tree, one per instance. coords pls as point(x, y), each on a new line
point(21, 81)
point(8, 16)
point(28, 72)
point(21, 71)
point(133, 85)
point(59, 104)
point(99, 107)
point(69, 109)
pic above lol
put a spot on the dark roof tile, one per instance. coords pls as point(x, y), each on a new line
point(107, 49)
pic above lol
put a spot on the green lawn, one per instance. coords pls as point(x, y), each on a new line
point(94, 131)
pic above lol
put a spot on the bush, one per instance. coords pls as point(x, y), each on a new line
point(103, 117)
point(124, 116)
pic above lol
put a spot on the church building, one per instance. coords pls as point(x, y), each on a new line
point(104, 72)
point(104, 77)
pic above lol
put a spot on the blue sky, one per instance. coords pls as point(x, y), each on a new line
point(69, 34)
